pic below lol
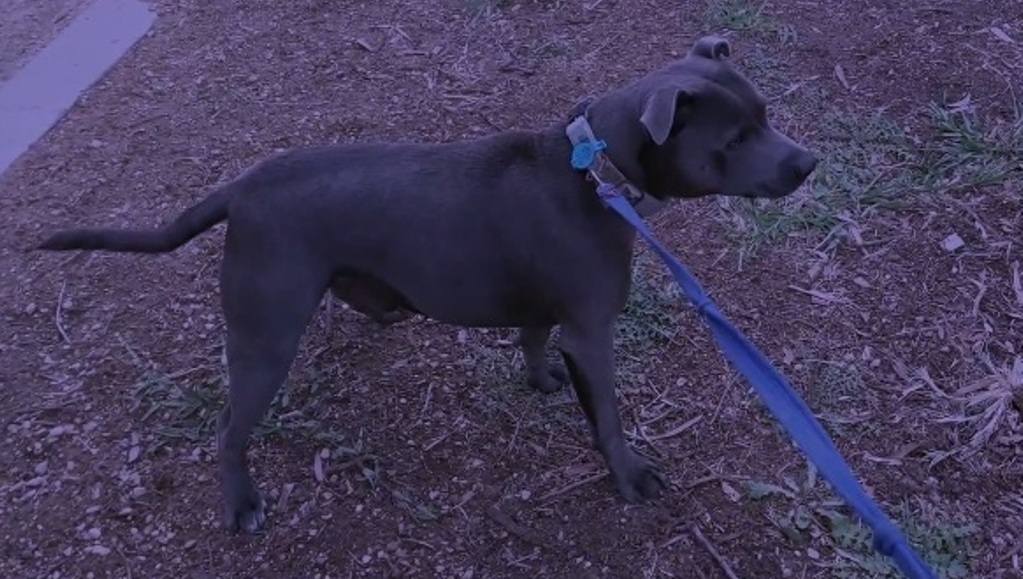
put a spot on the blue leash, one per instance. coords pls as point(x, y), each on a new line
point(783, 401)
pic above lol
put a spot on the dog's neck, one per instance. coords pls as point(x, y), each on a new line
point(588, 154)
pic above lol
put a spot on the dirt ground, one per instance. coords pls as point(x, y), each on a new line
point(890, 292)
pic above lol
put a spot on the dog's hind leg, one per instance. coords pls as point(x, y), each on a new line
point(540, 374)
point(589, 355)
point(268, 303)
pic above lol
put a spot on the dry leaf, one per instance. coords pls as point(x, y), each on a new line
point(840, 73)
point(318, 467)
point(788, 356)
point(1001, 34)
point(962, 105)
point(730, 492)
point(952, 242)
point(286, 492)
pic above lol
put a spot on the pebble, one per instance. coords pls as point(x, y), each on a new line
point(42, 467)
point(98, 550)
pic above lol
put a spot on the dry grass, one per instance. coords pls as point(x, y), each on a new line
point(983, 412)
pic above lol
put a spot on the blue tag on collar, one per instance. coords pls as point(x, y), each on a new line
point(585, 153)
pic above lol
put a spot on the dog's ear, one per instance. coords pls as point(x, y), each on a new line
point(665, 111)
point(713, 47)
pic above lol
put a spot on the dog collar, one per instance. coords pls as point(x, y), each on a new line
point(588, 154)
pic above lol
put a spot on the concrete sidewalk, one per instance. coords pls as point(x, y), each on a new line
point(38, 95)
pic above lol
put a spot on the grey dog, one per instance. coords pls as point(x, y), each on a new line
point(499, 231)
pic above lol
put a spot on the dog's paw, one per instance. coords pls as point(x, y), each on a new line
point(639, 481)
point(559, 373)
point(246, 513)
point(550, 381)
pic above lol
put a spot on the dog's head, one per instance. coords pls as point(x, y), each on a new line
point(699, 127)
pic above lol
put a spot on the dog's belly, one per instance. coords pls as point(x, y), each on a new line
point(479, 306)
point(464, 300)
point(373, 298)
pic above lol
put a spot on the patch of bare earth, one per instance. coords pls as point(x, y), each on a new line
point(416, 450)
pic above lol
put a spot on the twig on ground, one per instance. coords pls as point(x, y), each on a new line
point(725, 567)
point(678, 430)
point(127, 562)
point(572, 486)
point(713, 478)
point(426, 403)
point(520, 531)
point(60, 312)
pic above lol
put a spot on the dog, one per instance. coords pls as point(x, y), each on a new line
point(498, 231)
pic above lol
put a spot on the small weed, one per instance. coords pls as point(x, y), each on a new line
point(764, 68)
point(505, 395)
point(183, 411)
point(970, 151)
point(420, 510)
point(810, 517)
point(185, 406)
point(798, 519)
point(496, 369)
point(648, 324)
point(482, 8)
point(944, 546)
point(550, 48)
point(837, 391)
point(986, 410)
point(747, 16)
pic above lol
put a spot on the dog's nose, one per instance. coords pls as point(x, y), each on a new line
point(802, 164)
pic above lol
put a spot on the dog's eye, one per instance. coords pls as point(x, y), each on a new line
point(736, 141)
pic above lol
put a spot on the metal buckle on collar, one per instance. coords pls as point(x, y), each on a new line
point(588, 154)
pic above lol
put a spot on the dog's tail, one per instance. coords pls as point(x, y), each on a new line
point(195, 220)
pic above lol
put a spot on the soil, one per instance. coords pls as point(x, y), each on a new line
point(453, 468)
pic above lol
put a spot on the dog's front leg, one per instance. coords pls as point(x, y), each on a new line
point(589, 356)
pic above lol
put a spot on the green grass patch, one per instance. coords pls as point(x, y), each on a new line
point(806, 512)
point(869, 163)
point(945, 546)
point(648, 324)
point(484, 8)
point(747, 16)
point(183, 407)
point(866, 162)
point(970, 151)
